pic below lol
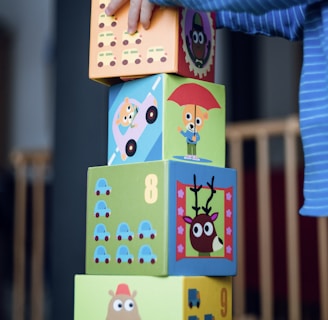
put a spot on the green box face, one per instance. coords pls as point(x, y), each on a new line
point(147, 298)
point(141, 219)
point(166, 117)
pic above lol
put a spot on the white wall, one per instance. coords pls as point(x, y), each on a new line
point(31, 116)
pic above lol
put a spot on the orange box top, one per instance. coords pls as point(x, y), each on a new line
point(116, 55)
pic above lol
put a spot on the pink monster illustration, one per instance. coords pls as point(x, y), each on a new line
point(122, 306)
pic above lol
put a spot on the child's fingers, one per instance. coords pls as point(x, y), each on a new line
point(113, 6)
point(134, 15)
point(146, 13)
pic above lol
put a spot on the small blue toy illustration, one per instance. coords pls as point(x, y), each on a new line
point(100, 232)
point(101, 209)
point(102, 187)
point(123, 255)
point(101, 255)
point(123, 232)
point(146, 255)
point(145, 230)
point(193, 298)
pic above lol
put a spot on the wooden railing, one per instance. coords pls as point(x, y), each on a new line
point(29, 168)
point(261, 132)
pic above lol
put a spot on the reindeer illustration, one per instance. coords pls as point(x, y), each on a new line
point(202, 234)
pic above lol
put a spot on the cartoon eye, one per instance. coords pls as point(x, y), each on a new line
point(198, 121)
point(195, 37)
point(117, 305)
point(130, 116)
point(208, 228)
point(197, 230)
point(129, 305)
point(201, 38)
point(125, 119)
point(128, 108)
point(188, 116)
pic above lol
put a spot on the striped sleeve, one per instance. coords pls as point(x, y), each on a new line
point(250, 6)
point(286, 23)
point(314, 112)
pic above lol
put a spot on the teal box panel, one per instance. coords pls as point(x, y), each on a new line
point(166, 117)
point(161, 218)
point(148, 298)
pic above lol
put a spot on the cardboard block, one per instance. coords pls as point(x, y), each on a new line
point(179, 41)
point(148, 298)
point(161, 218)
point(163, 117)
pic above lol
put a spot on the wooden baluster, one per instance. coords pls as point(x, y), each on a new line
point(19, 240)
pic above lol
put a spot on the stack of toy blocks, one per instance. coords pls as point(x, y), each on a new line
point(161, 214)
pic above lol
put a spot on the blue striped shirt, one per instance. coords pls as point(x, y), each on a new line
point(305, 20)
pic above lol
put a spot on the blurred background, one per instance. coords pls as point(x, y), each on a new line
point(47, 102)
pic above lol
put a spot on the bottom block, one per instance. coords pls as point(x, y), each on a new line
point(148, 298)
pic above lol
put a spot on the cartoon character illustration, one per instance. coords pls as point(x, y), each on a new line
point(127, 114)
point(122, 305)
point(193, 119)
point(202, 234)
point(193, 98)
point(138, 116)
point(200, 47)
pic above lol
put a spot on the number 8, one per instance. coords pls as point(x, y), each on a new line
point(151, 192)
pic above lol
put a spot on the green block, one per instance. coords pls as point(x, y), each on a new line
point(148, 298)
point(166, 117)
point(141, 219)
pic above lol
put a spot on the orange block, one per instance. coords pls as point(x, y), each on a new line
point(180, 41)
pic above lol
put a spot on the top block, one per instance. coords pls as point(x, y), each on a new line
point(179, 41)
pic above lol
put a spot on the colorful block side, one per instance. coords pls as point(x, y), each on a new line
point(147, 298)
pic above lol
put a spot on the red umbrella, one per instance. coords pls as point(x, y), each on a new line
point(192, 93)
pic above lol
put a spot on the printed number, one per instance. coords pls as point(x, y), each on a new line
point(151, 192)
point(224, 302)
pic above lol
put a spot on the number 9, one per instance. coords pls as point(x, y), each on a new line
point(224, 302)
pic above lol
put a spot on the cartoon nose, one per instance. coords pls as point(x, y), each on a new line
point(190, 126)
point(217, 244)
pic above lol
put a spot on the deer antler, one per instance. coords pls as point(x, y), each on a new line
point(207, 209)
point(195, 190)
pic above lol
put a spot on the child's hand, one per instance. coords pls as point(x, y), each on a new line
point(140, 10)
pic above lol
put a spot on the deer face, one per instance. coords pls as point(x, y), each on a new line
point(202, 234)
